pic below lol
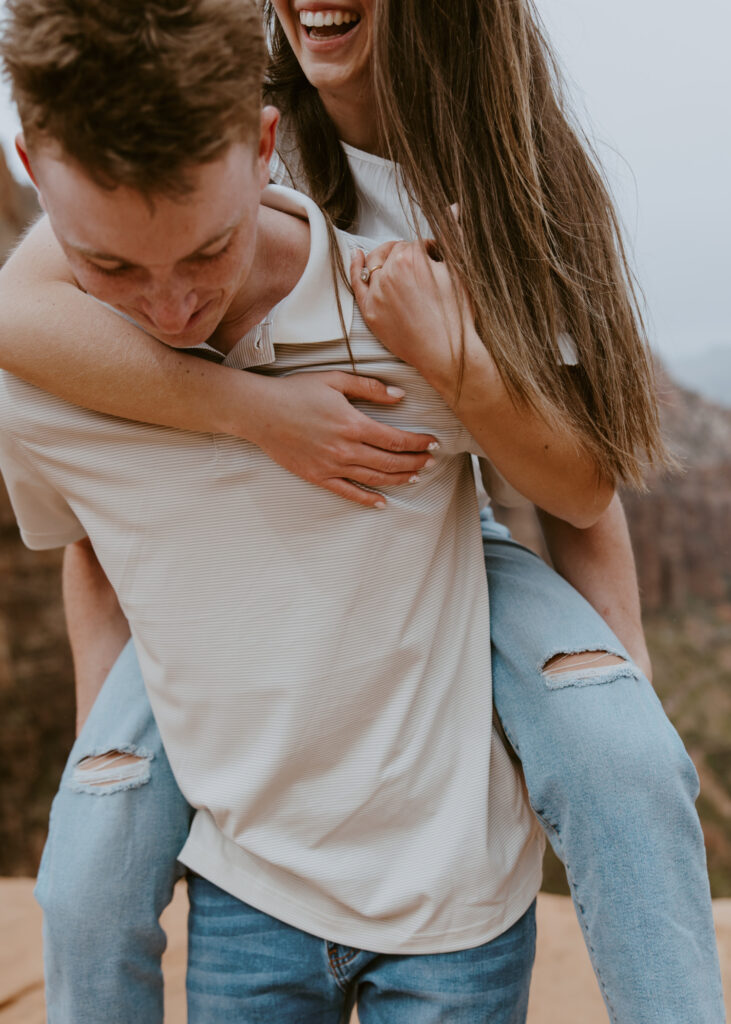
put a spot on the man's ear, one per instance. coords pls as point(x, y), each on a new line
point(22, 151)
point(267, 141)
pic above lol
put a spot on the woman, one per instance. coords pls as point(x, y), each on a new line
point(510, 254)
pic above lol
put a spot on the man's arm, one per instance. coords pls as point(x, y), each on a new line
point(599, 563)
point(96, 624)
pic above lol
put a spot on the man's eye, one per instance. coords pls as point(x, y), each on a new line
point(207, 257)
point(111, 271)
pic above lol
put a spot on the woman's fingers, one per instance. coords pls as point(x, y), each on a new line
point(318, 434)
point(367, 389)
point(391, 439)
point(370, 431)
point(349, 490)
point(363, 485)
point(364, 266)
point(378, 256)
point(376, 478)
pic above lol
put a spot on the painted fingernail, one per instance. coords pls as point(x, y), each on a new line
point(433, 447)
point(429, 463)
point(414, 479)
point(380, 504)
point(395, 392)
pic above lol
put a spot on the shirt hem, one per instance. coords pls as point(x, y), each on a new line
point(288, 908)
point(48, 541)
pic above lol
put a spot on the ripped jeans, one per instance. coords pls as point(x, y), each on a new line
point(607, 776)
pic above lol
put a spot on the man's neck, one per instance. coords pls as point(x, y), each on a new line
point(281, 255)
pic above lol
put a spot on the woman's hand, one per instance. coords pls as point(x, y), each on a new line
point(410, 302)
point(412, 305)
point(307, 424)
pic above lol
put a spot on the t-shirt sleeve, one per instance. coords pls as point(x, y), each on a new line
point(497, 487)
point(43, 514)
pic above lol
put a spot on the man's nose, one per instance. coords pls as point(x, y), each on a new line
point(169, 306)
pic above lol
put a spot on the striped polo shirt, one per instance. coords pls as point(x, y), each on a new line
point(320, 672)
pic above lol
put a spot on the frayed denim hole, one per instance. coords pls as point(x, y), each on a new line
point(584, 668)
point(111, 772)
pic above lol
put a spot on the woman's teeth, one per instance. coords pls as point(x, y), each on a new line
point(328, 19)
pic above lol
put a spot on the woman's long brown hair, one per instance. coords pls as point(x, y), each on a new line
point(469, 104)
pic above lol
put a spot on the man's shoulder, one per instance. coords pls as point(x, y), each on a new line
point(299, 204)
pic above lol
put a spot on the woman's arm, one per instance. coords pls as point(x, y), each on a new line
point(56, 337)
point(600, 564)
point(96, 624)
point(411, 305)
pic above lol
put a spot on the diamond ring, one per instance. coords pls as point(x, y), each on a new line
point(365, 274)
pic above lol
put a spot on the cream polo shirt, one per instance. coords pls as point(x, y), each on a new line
point(320, 672)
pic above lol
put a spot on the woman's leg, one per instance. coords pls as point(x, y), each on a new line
point(611, 782)
point(117, 825)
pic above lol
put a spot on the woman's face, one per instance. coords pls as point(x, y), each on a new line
point(332, 42)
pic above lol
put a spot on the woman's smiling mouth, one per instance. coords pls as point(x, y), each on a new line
point(328, 24)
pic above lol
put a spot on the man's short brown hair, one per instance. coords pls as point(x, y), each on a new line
point(136, 92)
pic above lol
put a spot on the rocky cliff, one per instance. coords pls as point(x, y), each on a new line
point(681, 529)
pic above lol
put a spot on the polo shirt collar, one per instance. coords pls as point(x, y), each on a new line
point(309, 314)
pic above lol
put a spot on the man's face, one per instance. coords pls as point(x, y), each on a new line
point(174, 266)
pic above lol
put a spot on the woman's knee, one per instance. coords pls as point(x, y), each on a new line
point(613, 754)
point(117, 825)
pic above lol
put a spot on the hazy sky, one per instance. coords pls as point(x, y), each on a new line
point(651, 80)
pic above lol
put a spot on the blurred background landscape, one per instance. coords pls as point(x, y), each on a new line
point(682, 542)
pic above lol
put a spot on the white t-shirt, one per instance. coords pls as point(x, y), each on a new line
point(320, 672)
point(383, 206)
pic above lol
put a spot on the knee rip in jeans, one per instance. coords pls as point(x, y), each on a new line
point(111, 771)
point(586, 668)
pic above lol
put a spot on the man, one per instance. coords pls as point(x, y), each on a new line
point(319, 674)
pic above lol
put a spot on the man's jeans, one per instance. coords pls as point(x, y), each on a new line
point(247, 967)
point(606, 773)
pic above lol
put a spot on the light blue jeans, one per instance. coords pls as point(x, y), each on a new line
point(249, 968)
point(607, 776)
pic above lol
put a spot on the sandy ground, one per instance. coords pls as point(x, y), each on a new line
point(564, 990)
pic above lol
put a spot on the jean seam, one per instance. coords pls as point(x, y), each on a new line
point(343, 961)
point(551, 829)
point(336, 963)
